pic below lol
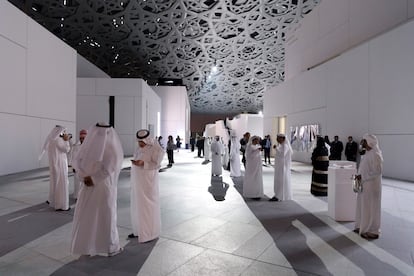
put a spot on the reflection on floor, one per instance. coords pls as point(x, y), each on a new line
point(209, 229)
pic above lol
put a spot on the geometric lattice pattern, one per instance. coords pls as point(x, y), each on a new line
point(182, 39)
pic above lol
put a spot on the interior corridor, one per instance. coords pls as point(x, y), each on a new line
point(202, 236)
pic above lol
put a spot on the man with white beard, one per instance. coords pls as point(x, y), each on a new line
point(57, 147)
point(283, 159)
point(95, 221)
point(368, 209)
point(216, 154)
point(145, 201)
point(235, 156)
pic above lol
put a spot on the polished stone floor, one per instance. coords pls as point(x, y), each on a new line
point(204, 236)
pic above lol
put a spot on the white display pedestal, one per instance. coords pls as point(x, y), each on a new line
point(341, 197)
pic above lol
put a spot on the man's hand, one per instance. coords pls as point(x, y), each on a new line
point(88, 181)
point(138, 162)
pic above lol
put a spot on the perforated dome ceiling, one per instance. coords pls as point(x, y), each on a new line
point(183, 39)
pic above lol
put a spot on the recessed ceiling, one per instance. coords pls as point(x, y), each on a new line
point(183, 39)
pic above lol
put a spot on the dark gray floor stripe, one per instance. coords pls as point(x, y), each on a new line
point(26, 225)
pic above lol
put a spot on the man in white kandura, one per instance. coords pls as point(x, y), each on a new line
point(235, 156)
point(95, 221)
point(207, 149)
point(253, 175)
point(368, 209)
point(216, 154)
point(225, 157)
point(145, 201)
point(77, 181)
point(283, 160)
point(57, 147)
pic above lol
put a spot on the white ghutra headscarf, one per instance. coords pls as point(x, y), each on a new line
point(288, 146)
point(53, 135)
point(372, 142)
point(101, 145)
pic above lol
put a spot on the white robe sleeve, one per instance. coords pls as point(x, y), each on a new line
point(375, 168)
point(155, 158)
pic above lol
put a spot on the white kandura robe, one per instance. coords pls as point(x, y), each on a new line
point(77, 181)
point(145, 201)
point(207, 149)
point(58, 168)
point(225, 158)
point(281, 181)
point(94, 227)
point(235, 158)
point(253, 175)
point(368, 209)
point(216, 154)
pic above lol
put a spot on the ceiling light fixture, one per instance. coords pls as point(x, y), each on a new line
point(214, 69)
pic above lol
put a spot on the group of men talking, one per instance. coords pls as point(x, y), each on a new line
point(97, 162)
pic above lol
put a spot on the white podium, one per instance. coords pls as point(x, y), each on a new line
point(341, 197)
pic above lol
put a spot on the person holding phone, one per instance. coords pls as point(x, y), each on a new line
point(145, 202)
point(57, 147)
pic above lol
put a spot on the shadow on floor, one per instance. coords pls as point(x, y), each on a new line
point(28, 224)
point(278, 218)
point(128, 262)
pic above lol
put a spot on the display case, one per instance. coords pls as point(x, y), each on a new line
point(341, 197)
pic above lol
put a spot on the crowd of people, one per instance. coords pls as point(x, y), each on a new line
point(96, 160)
point(367, 221)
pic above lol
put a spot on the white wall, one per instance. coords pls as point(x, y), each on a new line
point(222, 131)
point(37, 87)
point(238, 124)
point(86, 69)
point(175, 117)
point(366, 89)
point(210, 130)
point(335, 26)
point(136, 106)
point(243, 123)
